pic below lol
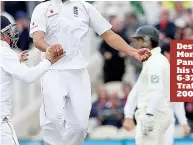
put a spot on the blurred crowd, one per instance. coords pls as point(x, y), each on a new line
point(16, 12)
point(108, 108)
point(175, 22)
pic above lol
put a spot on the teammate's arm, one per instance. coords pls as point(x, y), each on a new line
point(39, 41)
point(38, 28)
point(103, 28)
point(42, 45)
point(11, 64)
point(116, 42)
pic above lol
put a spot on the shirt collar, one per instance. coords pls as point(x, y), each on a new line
point(57, 5)
point(156, 50)
point(58, 1)
point(4, 43)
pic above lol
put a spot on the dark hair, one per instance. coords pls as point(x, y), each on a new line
point(165, 47)
point(154, 43)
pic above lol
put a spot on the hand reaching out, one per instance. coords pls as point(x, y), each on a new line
point(142, 54)
point(23, 56)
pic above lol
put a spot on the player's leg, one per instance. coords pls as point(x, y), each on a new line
point(8, 135)
point(168, 137)
point(51, 112)
point(162, 122)
point(78, 106)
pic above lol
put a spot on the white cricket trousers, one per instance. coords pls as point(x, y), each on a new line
point(66, 106)
point(8, 135)
point(168, 138)
point(162, 121)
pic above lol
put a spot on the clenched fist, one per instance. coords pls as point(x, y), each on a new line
point(142, 54)
point(56, 50)
point(54, 53)
point(23, 56)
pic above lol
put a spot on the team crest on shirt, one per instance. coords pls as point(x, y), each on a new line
point(154, 79)
point(75, 10)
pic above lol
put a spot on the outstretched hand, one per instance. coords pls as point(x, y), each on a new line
point(142, 54)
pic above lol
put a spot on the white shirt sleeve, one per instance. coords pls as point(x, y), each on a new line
point(179, 111)
point(156, 86)
point(97, 22)
point(11, 64)
point(38, 20)
point(131, 103)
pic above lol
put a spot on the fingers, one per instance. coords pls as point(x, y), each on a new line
point(24, 55)
point(59, 49)
point(56, 50)
point(144, 57)
point(24, 52)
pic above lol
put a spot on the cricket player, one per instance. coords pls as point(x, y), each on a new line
point(150, 93)
point(177, 109)
point(10, 68)
point(66, 87)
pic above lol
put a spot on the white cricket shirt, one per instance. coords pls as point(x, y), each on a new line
point(10, 67)
point(67, 24)
point(154, 77)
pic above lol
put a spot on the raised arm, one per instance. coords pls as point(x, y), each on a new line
point(103, 28)
point(11, 64)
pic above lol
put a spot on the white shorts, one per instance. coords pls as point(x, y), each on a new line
point(162, 122)
point(66, 105)
point(8, 135)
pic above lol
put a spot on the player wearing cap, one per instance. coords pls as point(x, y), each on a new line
point(151, 92)
point(10, 67)
point(177, 109)
point(65, 111)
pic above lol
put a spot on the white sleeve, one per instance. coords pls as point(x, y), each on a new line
point(156, 87)
point(97, 22)
point(179, 111)
point(12, 65)
point(131, 103)
point(38, 20)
